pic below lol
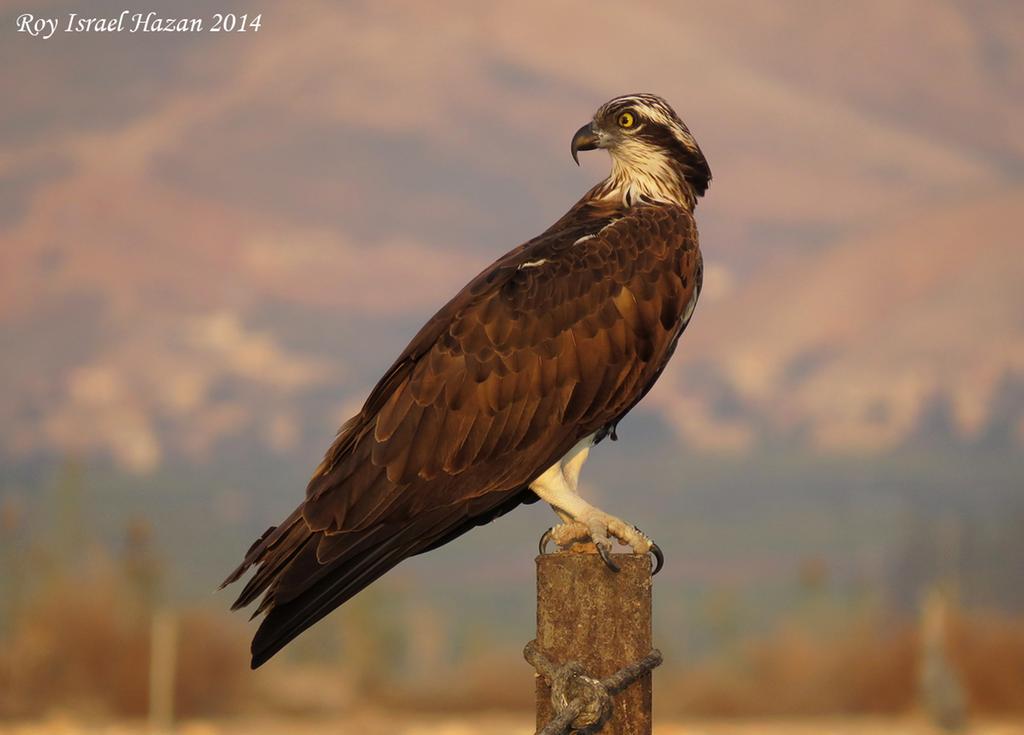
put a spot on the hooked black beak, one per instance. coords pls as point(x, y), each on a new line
point(584, 140)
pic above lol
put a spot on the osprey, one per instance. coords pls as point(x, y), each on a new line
point(500, 396)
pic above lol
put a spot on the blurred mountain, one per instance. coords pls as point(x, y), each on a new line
point(858, 347)
point(214, 243)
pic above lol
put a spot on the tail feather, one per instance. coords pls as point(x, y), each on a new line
point(247, 560)
point(272, 553)
point(286, 621)
point(312, 564)
point(305, 574)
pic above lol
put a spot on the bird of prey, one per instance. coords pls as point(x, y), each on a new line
point(500, 396)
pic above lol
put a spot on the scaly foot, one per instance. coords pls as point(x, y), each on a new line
point(599, 528)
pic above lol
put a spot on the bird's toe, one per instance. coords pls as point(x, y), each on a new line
point(564, 535)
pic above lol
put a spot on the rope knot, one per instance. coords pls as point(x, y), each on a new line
point(588, 696)
point(581, 703)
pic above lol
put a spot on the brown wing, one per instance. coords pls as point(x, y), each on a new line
point(554, 342)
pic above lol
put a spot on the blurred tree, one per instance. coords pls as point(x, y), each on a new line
point(142, 567)
point(12, 571)
point(813, 575)
point(373, 642)
point(427, 641)
point(71, 532)
point(721, 616)
point(940, 686)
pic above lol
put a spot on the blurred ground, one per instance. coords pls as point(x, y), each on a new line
point(372, 724)
point(77, 631)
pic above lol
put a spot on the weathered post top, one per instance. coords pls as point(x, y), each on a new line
point(601, 619)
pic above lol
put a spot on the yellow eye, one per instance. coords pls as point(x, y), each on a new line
point(626, 120)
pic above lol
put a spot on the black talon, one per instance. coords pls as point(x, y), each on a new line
point(658, 557)
point(543, 545)
point(607, 557)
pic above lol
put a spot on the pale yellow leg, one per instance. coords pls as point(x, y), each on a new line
point(581, 520)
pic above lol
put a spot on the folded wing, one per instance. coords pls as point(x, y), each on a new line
point(552, 343)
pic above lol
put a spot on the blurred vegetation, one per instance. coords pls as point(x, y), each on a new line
point(76, 608)
point(75, 633)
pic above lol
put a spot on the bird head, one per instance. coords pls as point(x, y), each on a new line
point(652, 150)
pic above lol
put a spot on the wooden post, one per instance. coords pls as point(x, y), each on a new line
point(602, 619)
